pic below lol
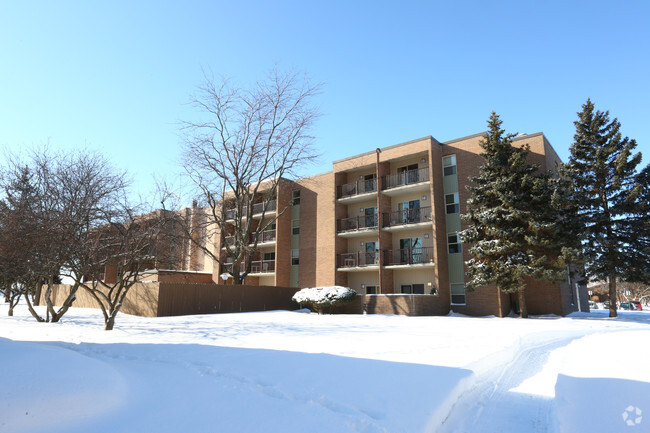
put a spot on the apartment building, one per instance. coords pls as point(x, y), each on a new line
point(386, 222)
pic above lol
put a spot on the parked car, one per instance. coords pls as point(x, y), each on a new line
point(637, 305)
point(593, 305)
point(627, 306)
point(606, 305)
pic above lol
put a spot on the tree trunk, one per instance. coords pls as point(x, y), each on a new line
point(11, 311)
point(523, 309)
point(612, 295)
point(108, 325)
point(32, 311)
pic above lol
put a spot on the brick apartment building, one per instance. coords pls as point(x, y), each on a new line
point(387, 222)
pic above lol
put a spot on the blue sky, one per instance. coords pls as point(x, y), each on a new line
point(116, 76)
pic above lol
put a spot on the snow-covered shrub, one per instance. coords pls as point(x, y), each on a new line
point(320, 298)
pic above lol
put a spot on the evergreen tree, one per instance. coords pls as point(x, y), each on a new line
point(609, 193)
point(516, 233)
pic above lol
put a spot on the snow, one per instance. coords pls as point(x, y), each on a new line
point(323, 295)
point(286, 371)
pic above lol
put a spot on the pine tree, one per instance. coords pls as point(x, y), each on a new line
point(516, 233)
point(611, 211)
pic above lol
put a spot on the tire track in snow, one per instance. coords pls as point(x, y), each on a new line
point(491, 406)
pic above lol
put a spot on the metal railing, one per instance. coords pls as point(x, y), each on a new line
point(271, 206)
point(408, 256)
point(405, 178)
point(257, 267)
point(262, 266)
point(356, 188)
point(265, 236)
point(407, 216)
point(358, 259)
point(357, 223)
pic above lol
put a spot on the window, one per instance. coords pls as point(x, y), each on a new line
point(454, 243)
point(369, 183)
point(408, 174)
point(458, 294)
point(295, 197)
point(295, 260)
point(371, 290)
point(269, 256)
point(409, 212)
point(451, 202)
point(415, 289)
point(295, 227)
point(449, 165)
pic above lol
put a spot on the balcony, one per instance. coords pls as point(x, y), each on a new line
point(356, 226)
point(407, 219)
point(262, 267)
point(356, 192)
point(258, 208)
point(263, 238)
point(408, 257)
point(358, 261)
point(258, 267)
point(406, 181)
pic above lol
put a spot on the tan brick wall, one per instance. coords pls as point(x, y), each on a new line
point(317, 231)
point(283, 233)
point(441, 273)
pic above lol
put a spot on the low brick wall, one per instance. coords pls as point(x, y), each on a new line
point(407, 305)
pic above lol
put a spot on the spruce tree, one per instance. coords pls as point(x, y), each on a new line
point(516, 233)
point(609, 193)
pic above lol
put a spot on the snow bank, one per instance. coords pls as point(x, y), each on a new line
point(604, 383)
point(48, 388)
point(289, 372)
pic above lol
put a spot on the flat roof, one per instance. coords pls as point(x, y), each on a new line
point(428, 137)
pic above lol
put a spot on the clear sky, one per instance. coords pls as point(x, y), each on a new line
point(116, 75)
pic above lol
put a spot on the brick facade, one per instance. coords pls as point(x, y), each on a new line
point(400, 249)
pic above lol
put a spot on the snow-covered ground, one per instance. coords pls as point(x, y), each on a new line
point(293, 372)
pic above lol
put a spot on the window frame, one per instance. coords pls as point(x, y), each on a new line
point(451, 294)
point(295, 257)
point(452, 165)
point(455, 203)
point(458, 243)
point(295, 197)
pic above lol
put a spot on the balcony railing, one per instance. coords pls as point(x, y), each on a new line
point(406, 178)
point(259, 207)
point(358, 259)
point(262, 266)
point(407, 216)
point(265, 236)
point(257, 267)
point(408, 256)
point(271, 206)
point(356, 188)
point(357, 223)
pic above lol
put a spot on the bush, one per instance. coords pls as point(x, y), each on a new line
point(321, 298)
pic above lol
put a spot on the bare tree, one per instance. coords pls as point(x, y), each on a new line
point(116, 256)
point(243, 143)
point(61, 197)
